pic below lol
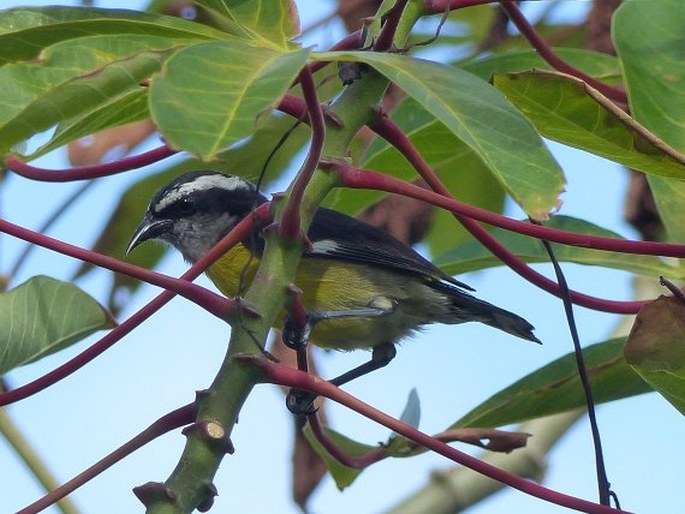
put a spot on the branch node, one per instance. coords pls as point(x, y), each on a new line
point(209, 492)
point(154, 492)
point(213, 433)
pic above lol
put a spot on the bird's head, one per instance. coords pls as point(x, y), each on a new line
point(195, 210)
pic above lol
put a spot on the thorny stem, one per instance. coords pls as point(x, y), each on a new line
point(290, 221)
point(289, 377)
point(209, 300)
point(389, 131)
point(91, 171)
point(171, 421)
point(541, 46)
point(240, 232)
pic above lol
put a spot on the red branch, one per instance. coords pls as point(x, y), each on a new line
point(546, 52)
point(18, 166)
point(359, 178)
point(389, 131)
point(289, 377)
point(214, 303)
point(290, 220)
point(239, 233)
point(391, 19)
point(167, 423)
point(365, 179)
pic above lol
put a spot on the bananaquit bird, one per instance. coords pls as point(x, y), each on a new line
point(362, 287)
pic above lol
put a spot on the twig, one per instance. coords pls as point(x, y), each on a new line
point(214, 303)
point(391, 20)
point(239, 232)
point(541, 46)
point(389, 131)
point(289, 377)
point(91, 171)
point(167, 423)
point(290, 220)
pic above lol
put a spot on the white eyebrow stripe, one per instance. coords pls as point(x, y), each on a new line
point(201, 183)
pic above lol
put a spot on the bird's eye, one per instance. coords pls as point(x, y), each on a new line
point(184, 206)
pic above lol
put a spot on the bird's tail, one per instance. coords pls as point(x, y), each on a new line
point(464, 307)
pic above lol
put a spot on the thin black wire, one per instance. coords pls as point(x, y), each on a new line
point(603, 484)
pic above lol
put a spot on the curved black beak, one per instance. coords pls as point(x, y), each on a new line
point(148, 229)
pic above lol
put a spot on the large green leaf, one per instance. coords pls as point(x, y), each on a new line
point(121, 110)
point(265, 21)
point(43, 316)
point(73, 78)
point(26, 32)
point(567, 110)
point(208, 96)
point(656, 348)
point(598, 65)
point(458, 166)
point(482, 118)
point(649, 39)
point(471, 256)
point(556, 388)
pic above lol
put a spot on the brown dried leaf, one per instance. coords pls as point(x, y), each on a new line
point(488, 438)
point(657, 339)
point(92, 149)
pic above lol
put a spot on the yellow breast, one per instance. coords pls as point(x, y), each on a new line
point(331, 285)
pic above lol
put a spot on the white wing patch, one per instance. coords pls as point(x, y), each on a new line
point(325, 247)
point(201, 183)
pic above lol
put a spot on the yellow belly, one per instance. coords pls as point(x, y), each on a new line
point(326, 285)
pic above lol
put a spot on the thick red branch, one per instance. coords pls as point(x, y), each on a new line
point(239, 233)
point(19, 167)
point(290, 221)
point(167, 423)
point(289, 377)
point(210, 301)
point(546, 52)
point(392, 18)
point(389, 131)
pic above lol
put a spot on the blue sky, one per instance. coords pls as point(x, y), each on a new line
point(159, 367)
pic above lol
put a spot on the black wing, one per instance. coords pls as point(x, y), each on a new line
point(336, 236)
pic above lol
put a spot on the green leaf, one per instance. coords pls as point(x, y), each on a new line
point(482, 118)
point(264, 21)
point(120, 111)
point(460, 169)
point(342, 475)
point(471, 255)
point(556, 388)
point(96, 71)
point(208, 96)
point(26, 32)
point(649, 39)
point(567, 110)
point(656, 348)
point(42, 316)
point(601, 66)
